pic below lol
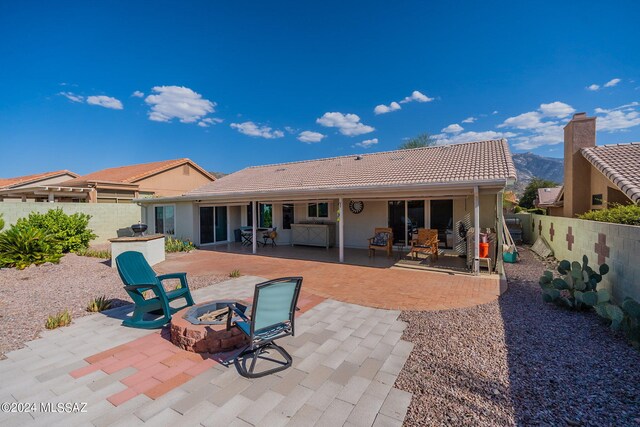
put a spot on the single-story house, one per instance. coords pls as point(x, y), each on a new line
point(32, 187)
point(595, 176)
point(341, 200)
point(125, 183)
point(548, 199)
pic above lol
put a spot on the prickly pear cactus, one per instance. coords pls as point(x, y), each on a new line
point(577, 285)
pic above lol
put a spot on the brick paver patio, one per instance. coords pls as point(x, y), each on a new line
point(389, 288)
point(346, 360)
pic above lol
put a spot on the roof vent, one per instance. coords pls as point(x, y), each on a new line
point(358, 157)
point(281, 170)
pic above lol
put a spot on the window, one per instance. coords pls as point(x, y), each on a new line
point(318, 210)
point(266, 215)
point(596, 199)
point(165, 220)
point(287, 216)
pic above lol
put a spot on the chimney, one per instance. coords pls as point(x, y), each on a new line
point(579, 133)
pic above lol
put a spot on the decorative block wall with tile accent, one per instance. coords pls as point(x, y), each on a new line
point(617, 245)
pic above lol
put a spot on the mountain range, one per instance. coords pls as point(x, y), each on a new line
point(529, 165)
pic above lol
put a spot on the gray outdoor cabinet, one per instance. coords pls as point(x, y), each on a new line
point(323, 235)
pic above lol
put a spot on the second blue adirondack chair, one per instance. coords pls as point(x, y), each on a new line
point(138, 277)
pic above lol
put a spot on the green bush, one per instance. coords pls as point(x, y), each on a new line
point(538, 211)
point(176, 245)
point(518, 209)
point(617, 214)
point(1, 222)
point(70, 232)
point(21, 246)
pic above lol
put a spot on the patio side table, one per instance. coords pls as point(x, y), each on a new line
point(399, 249)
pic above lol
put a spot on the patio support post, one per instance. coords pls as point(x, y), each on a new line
point(476, 230)
point(254, 226)
point(341, 228)
point(499, 227)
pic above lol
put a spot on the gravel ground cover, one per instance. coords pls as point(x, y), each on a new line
point(519, 361)
point(29, 296)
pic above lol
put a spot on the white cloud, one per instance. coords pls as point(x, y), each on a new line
point(310, 137)
point(469, 120)
point(617, 119)
point(178, 102)
point(290, 129)
point(612, 82)
point(208, 121)
point(416, 96)
point(495, 112)
point(105, 101)
point(72, 96)
point(444, 139)
point(138, 94)
point(530, 120)
point(594, 87)
point(383, 109)
point(347, 124)
point(252, 129)
point(557, 109)
point(453, 128)
point(367, 143)
point(549, 135)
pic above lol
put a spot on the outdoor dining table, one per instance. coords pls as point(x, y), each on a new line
point(247, 234)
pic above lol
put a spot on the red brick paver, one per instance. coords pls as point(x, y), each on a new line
point(394, 289)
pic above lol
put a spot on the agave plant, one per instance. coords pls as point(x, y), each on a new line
point(577, 285)
point(99, 304)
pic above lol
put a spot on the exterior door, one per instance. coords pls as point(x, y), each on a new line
point(213, 224)
point(442, 220)
point(221, 223)
point(396, 220)
point(206, 225)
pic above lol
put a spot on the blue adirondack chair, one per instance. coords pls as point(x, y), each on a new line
point(272, 317)
point(138, 277)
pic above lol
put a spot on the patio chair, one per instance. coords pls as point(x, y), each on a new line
point(381, 241)
point(270, 235)
point(272, 317)
point(138, 277)
point(425, 243)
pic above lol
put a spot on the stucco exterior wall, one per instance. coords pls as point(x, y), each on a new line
point(617, 245)
point(108, 220)
point(174, 182)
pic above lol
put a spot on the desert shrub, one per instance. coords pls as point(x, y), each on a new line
point(21, 246)
point(235, 273)
point(518, 209)
point(61, 319)
point(1, 222)
point(99, 304)
point(104, 254)
point(71, 232)
point(538, 211)
point(176, 245)
point(617, 214)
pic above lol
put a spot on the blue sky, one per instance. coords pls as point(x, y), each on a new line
point(87, 85)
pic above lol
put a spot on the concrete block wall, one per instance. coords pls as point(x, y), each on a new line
point(617, 245)
point(108, 220)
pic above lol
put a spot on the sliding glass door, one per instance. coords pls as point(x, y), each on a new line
point(405, 217)
point(213, 224)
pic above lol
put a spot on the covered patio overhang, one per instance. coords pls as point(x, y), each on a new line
point(46, 192)
point(418, 191)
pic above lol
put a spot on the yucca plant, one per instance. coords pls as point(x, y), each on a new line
point(235, 273)
point(64, 318)
point(51, 322)
point(21, 246)
point(99, 304)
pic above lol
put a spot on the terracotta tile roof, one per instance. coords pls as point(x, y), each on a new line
point(620, 163)
point(21, 180)
point(133, 173)
point(548, 196)
point(459, 163)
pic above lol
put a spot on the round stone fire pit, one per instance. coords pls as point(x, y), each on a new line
point(197, 329)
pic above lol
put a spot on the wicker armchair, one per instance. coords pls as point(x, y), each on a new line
point(426, 243)
point(381, 241)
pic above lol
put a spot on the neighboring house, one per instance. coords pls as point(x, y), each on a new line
point(435, 187)
point(595, 176)
point(32, 187)
point(125, 183)
point(548, 198)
